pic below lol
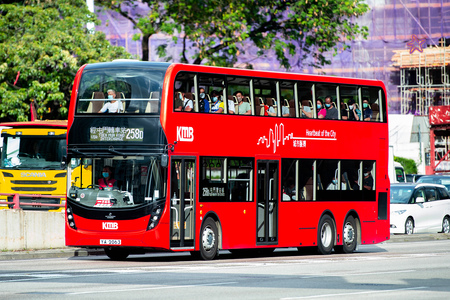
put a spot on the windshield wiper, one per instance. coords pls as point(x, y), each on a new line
point(78, 152)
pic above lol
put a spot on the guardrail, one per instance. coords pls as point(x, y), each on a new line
point(16, 200)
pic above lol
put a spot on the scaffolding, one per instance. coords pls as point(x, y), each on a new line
point(424, 78)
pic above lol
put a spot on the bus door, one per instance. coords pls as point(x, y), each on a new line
point(182, 194)
point(267, 201)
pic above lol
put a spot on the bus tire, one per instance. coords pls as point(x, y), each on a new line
point(116, 253)
point(209, 240)
point(349, 237)
point(325, 235)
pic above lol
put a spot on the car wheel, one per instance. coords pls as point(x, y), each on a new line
point(409, 226)
point(325, 235)
point(446, 225)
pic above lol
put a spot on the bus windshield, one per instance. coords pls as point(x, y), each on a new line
point(119, 182)
point(120, 90)
point(33, 152)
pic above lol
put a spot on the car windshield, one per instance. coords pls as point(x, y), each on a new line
point(401, 194)
point(33, 152)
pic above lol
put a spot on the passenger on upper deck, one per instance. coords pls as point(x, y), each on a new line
point(321, 111)
point(284, 111)
point(231, 109)
point(332, 112)
point(368, 179)
point(353, 112)
point(367, 111)
point(182, 103)
point(243, 106)
point(203, 104)
point(114, 106)
point(344, 112)
point(217, 105)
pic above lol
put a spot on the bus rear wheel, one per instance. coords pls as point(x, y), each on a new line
point(116, 253)
point(209, 240)
point(325, 235)
point(349, 237)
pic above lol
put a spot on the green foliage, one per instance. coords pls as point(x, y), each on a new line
point(47, 42)
point(213, 32)
point(409, 165)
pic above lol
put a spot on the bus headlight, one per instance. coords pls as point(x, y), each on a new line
point(70, 218)
point(154, 218)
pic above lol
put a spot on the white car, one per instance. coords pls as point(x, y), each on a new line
point(422, 207)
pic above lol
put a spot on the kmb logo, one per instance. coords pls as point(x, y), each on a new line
point(185, 134)
point(110, 225)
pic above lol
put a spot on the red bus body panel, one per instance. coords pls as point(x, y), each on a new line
point(263, 138)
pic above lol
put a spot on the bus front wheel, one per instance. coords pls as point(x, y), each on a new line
point(116, 253)
point(325, 235)
point(209, 240)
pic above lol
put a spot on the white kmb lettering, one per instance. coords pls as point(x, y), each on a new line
point(110, 225)
point(185, 134)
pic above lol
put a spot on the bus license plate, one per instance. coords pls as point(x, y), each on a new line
point(110, 242)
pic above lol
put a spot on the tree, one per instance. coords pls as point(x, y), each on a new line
point(42, 45)
point(148, 21)
point(409, 165)
point(216, 32)
point(221, 30)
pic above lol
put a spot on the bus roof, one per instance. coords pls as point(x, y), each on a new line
point(225, 71)
point(37, 124)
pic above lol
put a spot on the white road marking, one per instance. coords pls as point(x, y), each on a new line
point(355, 293)
point(152, 288)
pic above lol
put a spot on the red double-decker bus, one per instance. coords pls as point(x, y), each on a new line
point(195, 158)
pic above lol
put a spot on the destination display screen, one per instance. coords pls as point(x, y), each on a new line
point(116, 134)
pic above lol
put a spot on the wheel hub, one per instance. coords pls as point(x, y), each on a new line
point(409, 227)
point(349, 233)
point(446, 226)
point(208, 239)
point(326, 235)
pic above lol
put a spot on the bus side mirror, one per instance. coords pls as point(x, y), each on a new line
point(164, 160)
